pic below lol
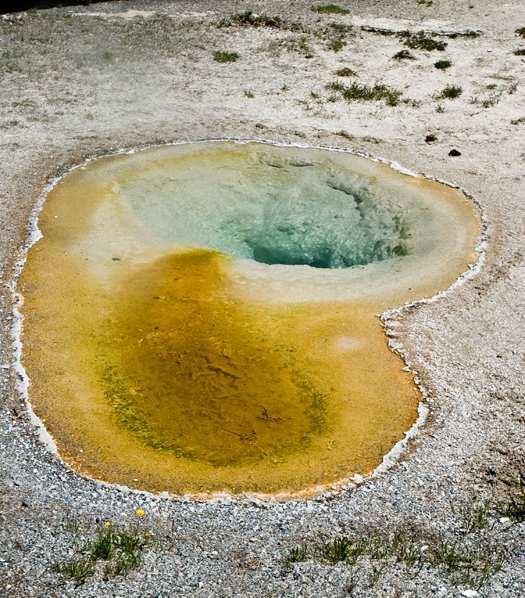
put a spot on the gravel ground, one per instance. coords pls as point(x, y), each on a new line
point(80, 81)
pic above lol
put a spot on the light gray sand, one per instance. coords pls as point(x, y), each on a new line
point(80, 81)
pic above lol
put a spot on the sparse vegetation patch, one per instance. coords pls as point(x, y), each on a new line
point(365, 93)
point(513, 506)
point(442, 64)
point(223, 57)
point(119, 549)
point(422, 41)
point(464, 560)
point(450, 92)
point(336, 45)
point(293, 44)
point(330, 9)
point(340, 28)
point(345, 72)
point(249, 19)
point(403, 55)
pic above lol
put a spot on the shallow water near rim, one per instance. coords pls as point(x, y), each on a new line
point(203, 317)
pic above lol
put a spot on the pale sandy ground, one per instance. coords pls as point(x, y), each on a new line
point(79, 81)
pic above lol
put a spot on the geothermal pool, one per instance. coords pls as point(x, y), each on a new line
point(202, 317)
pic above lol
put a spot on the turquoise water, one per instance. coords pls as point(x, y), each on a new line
point(274, 210)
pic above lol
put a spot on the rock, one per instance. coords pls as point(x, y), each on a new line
point(454, 153)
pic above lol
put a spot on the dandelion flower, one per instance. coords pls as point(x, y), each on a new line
point(140, 512)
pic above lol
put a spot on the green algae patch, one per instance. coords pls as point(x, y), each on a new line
point(203, 317)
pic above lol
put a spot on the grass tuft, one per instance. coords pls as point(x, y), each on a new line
point(330, 9)
point(450, 92)
point(224, 57)
point(403, 55)
point(345, 72)
point(299, 45)
point(356, 92)
point(120, 549)
point(297, 554)
point(340, 28)
point(77, 570)
point(442, 64)
point(421, 41)
point(336, 45)
point(465, 556)
point(465, 564)
point(102, 547)
point(513, 507)
point(249, 19)
point(337, 550)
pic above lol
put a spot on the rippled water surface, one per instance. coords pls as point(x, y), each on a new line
point(203, 317)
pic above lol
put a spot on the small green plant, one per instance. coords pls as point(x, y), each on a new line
point(301, 46)
point(521, 32)
point(337, 550)
point(119, 548)
point(249, 94)
point(330, 9)
point(77, 570)
point(519, 52)
point(103, 546)
point(297, 554)
point(518, 121)
point(403, 55)
point(404, 547)
point(513, 507)
point(224, 57)
point(442, 64)
point(421, 41)
point(465, 558)
point(336, 45)
point(364, 93)
point(473, 517)
point(336, 86)
point(345, 72)
point(341, 28)
point(464, 564)
point(249, 19)
point(450, 92)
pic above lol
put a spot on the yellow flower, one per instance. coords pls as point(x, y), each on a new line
point(140, 512)
point(107, 524)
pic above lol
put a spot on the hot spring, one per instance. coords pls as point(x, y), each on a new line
point(202, 317)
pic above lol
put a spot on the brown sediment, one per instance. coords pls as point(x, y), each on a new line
point(158, 370)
